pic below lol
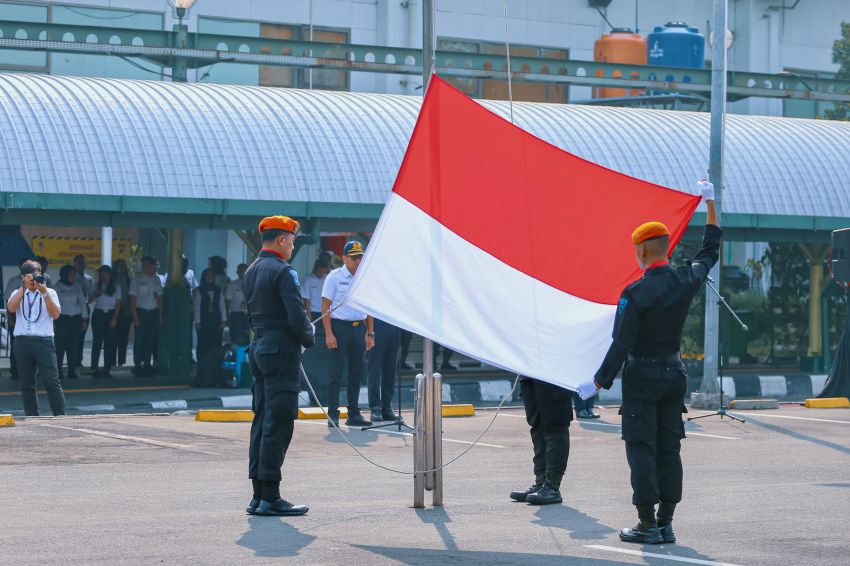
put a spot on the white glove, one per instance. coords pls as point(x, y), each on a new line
point(587, 390)
point(706, 189)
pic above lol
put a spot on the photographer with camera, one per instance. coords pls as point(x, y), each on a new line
point(37, 307)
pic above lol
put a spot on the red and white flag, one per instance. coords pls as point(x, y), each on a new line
point(504, 247)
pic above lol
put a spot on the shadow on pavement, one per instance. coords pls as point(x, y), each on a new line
point(438, 517)
point(581, 526)
point(800, 436)
point(272, 537)
point(433, 556)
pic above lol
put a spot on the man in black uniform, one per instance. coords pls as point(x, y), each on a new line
point(281, 329)
point(549, 411)
point(647, 334)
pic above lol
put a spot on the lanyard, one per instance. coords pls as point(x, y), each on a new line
point(28, 315)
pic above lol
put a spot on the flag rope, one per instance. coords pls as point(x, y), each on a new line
point(508, 53)
point(387, 468)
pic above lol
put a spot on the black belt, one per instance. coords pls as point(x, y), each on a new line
point(351, 322)
point(671, 360)
point(146, 310)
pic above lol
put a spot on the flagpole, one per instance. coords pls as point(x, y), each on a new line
point(428, 433)
point(708, 396)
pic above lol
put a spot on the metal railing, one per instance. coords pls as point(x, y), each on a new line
point(206, 49)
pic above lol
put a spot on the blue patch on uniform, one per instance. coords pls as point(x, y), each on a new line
point(621, 306)
point(294, 275)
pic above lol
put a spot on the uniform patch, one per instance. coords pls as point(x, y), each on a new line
point(621, 306)
point(294, 275)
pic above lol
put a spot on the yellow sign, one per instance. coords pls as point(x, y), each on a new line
point(60, 251)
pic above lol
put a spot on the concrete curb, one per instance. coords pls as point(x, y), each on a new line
point(796, 388)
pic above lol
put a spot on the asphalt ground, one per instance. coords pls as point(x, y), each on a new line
point(170, 490)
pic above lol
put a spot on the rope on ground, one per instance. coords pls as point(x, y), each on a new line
point(405, 472)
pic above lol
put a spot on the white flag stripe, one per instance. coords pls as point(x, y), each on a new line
point(419, 275)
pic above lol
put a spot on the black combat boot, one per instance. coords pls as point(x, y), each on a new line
point(665, 521)
point(258, 495)
point(521, 495)
point(646, 531)
point(547, 495)
point(272, 505)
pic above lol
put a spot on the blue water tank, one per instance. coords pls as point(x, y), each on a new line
point(676, 45)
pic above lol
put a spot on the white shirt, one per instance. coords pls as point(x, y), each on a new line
point(105, 302)
point(86, 283)
point(72, 300)
point(236, 296)
point(191, 280)
point(335, 288)
point(221, 280)
point(32, 316)
point(196, 298)
point(311, 290)
point(146, 290)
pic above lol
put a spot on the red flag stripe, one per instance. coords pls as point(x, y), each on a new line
point(547, 213)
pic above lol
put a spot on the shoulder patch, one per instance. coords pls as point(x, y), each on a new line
point(294, 275)
point(621, 306)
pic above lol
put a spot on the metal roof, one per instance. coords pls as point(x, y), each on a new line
point(105, 137)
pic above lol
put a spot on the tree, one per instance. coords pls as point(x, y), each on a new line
point(841, 56)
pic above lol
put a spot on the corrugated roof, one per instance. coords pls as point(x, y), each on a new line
point(86, 136)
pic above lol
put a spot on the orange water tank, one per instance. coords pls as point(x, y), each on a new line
point(620, 46)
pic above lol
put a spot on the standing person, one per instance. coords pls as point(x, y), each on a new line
point(647, 335)
point(210, 314)
point(12, 285)
point(86, 283)
point(237, 310)
point(38, 307)
point(121, 333)
point(281, 330)
point(106, 310)
point(311, 288)
point(584, 407)
point(219, 267)
point(348, 334)
point(548, 411)
point(71, 323)
point(382, 370)
point(146, 310)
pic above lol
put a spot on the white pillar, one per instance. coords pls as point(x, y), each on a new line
point(106, 245)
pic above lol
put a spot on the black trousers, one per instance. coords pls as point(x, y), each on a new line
point(10, 328)
point(350, 346)
point(239, 328)
point(144, 343)
point(382, 364)
point(37, 353)
point(67, 330)
point(121, 334)
point(210, 337)
point(548, 410)
point(79, 342)
point(406, 337)
point(653, 430)
point(103, 337)
point(275, 365)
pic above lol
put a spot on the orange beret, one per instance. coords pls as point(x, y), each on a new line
point(649, 231)
point(284, 223)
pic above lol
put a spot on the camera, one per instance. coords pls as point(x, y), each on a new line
point(39, 279)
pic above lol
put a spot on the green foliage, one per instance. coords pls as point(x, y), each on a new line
point(841, 56)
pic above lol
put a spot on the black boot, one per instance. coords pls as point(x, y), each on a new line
point(548, 494)
point(665, 521)
point(272, 505)
point(646, 531)
point(255, 500)
point(521, 495)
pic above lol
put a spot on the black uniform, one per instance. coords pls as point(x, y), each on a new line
point(549, 411)
point(281, 328)
point(647, 334)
